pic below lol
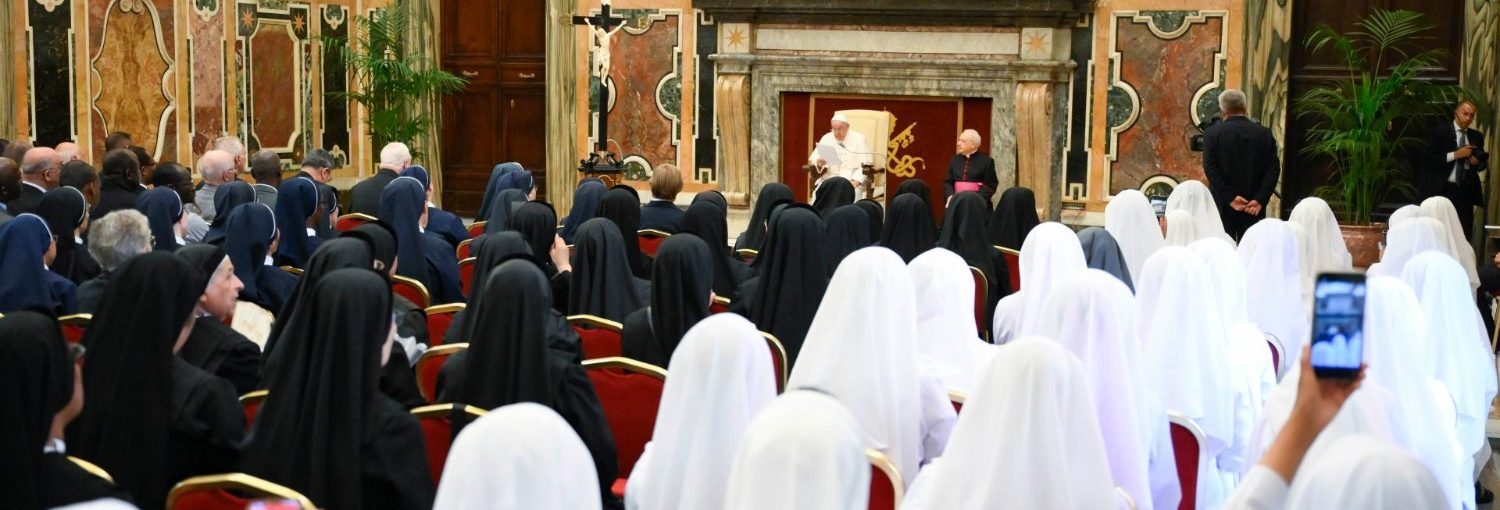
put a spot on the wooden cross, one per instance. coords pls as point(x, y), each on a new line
point(604, 22)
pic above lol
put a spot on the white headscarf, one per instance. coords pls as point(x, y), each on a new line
point(721, 377)
point(1131, 220)
point(1441, 209)
point(1408, 239)
point(1460, 347)
point(947, 336)
point(1273, 277)
point(518, 456)
point(1185, 344)
point(1093, 315)
point(1404, 213)
point(1193, 196)
point(803, 452)
point(1029, 438)
point(1182, 230)
point(1366, 472)
point(1050, 254)
point(861, 349)
point(1325, 250)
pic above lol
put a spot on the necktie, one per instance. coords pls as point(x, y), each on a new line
point(1458, 163)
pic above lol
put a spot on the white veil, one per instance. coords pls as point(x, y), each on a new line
point(1131, 220)
point(946, 334)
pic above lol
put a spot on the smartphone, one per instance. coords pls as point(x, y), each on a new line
point(1338, 325)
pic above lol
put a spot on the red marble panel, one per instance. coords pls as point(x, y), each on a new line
point(131, 90)
point(275, 105)
point(207, 79)
point(638, 63)
point(1165, 75)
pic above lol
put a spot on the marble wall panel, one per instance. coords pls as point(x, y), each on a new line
point(133, 85)
point(207, 77)
point(334, 23)
point(275, 104)
point(51, 30)
point(645, 79)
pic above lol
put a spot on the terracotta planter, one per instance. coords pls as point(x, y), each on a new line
point(1363, 242)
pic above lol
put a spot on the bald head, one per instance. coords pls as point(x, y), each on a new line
point(215, 166)
point(236, 150)
point(68, 151)
point(41, 166)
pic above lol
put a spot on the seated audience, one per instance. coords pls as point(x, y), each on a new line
point(661, 213)
point(67, 214)
point(1013, 218)
point(164, 212)
point(1050, 254)
point(709, 222)
point(227, 198)
point(443, 223)
point(754, 236)
point(251, 239)
point(265, 168)
point(621, 206)
point(1132, 222)
point(82, 177)
point(296, 212)
point(213, 346)
point(600, 283)
point(518, 456)
point(784, 297)
point(173, 176)
point(422, 257)
point(216, 167)
point(809, 446)
point(845, 231)
point(681, 290)
point(947, 338)
point(909, 229)
point(119, 183)
point(585, 203)
point(366, 196)
point(113, 239)
point(27, 247)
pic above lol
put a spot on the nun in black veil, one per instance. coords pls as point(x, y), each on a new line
point(163, 210)
point(835, 192)
point(423, 257)
point(909, 229)
point(25, 244)
point(67, 213)
point(523, 351)
point(325, 429)
point(876, 213)
point(489, 251)
point(622, 206)
point(250, 239)
point(153, 419)
point(505, 203)
point(374, 247)
point(707, 220)
point(916, 187)
point(755, 232)
point(963, 233)
point(228, 196)
point(213, 346)
point(845, 230)
point(681, 289)
point(1013, 218)
point(783, 299)
point(602, 283)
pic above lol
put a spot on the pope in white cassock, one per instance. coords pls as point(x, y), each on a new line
point(852, 150)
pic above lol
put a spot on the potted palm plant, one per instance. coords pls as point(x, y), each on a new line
point(1365, 123)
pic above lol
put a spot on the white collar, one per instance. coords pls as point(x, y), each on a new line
point(1457, 127)
point(270, 261)
point(312, 232)
point(55, 445)
point(39, 187)
point(76, 239)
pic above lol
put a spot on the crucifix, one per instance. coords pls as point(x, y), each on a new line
point(602, 28)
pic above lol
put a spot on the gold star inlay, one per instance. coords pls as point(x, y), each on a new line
point(1036, 43)
point(736, 37)
point(298, 23)
point(247, 18)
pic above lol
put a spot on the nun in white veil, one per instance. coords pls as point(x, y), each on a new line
point(1050, 254)
point(721, 377)
point(1408, 239)
point(1325, 250)
point(861, 349)
point(518, 456)
point(947, 337)
point(1131, 220)
point(802, 452)
point(1182, 230)
point(1273, 277)
point(1461, 353)
point(1187, 356)
point(1404, 213)
point(1365, 472)
point(1093, 315)
point(1029, 439)
point(1193, 196)
point(1441, 209)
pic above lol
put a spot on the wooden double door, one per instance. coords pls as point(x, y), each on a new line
point(500, 47)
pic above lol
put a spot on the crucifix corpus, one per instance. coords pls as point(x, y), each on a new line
point(602, 28)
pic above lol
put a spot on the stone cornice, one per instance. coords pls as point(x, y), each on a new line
point(990, 13)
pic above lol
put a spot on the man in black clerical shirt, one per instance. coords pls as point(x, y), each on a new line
point(1455, 157)
point(364, 198)
point(1240, 161)
point(970, 170)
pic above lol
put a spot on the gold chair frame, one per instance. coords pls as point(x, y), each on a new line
point(879, 460)
point(237, 481)
point(627, 364)
point(426, 296)
point(92, 469)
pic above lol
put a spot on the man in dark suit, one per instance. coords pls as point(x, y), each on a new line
point(1239, 159)
point(971, 168)
point(661, 213)
point(1454, 159)
point(40, 169)
point(317, 166)
point(10, 186)
point(364, 198)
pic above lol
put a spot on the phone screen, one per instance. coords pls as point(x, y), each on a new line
point(1338, 324)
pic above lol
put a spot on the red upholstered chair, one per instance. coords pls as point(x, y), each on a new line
point(778, 360)
point(1012, 266)
point(412, 290)
point(230, 491)
point(439, 319)
point(430, 364)
point(957, 398)
point(1187, 449)
point(629, 391)
point(73, 326)
point(476, 229)
point(600, 337)
point(437, 432)
point(981, 299)
point(651, 240)
point(747, 254)
point(251, 402)
point(720, 305)
point(466, 274)
point(347, 222)
point(886, 485)
point(465, 249)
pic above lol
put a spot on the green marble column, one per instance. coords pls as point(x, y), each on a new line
point(562, 88)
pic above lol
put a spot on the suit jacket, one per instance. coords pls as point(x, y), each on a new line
point(364, 198)
point(27, 202)
point(1239, 159)
point(113, 196)
point(265, 194)
point(1433, 175)
point(981, 169)
point(661, 215)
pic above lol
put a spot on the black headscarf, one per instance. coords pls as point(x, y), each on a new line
point(296, 202)
point(507, 357)
point(835, 192)
point(248, 235)
point(585, 201)
point(963, 232)
point(876, 213)
point(205, 257)
point(380, 238)
point(537, 223)
point(505, 204)
point(336, 254)
point(755, 233)
point(401, 205)
point(622, 206)
point(603, 284)
point(228, 196)
point(489, 251)
point(64, 209)
point(793, 277)
point(1103, 253)
point(325, 398)
point(23, 247)
point(713, 197)
point(845, 230)
point(707, 220)
point(36, 381)
point(916, 187)
point(1013, 219)
point(163, 209)
point(125, 427)
point(493, 188)
point(909, 230)
point(680, 289)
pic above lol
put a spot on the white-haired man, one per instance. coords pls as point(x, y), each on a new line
point(1239, 160)
point(40, 170)
point(851, 147)
point(364, 198)
point(69, 152)
point(969, 169)
point(216, 167)
point(236, 150)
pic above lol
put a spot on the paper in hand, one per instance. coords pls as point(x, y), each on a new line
point(830, 154)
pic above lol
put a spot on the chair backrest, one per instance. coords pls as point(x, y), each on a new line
point(630, 392)
point(719, 305)
point(92, 469)
point(650, 240)
point(465, 249)
point(981, 299)
point(778, 360)
point(74, 326)
point(466, 274)
point(430, 364)
point(230, 491)
point(437, 432)
point(439, 319)
point(291, 270)
point(1187, 449)
point(886, 486)
point(347, 222)
point(251, 402)
point(412, 290)
point(957, 398)
point(600, 337)
point(1012, 266)
point(746, 254)
point(476, 229)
